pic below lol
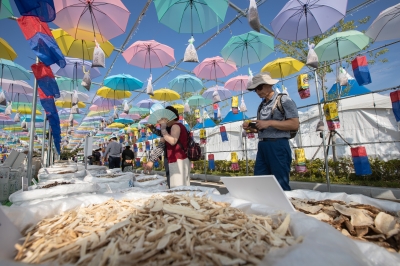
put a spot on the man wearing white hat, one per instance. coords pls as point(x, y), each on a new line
point(277, 116)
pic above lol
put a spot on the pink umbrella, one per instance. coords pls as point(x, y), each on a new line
point(149, 54)
point(16, 86)
point(83, 19)
point(130, 116)
point(99, 108)
point(67, 122)
point(238, 83)
point(213, 68)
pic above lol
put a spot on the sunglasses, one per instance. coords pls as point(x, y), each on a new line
point(259, 87)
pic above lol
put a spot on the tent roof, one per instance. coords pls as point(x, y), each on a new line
point(231, 117)
point(207, 123)
point(346, 91)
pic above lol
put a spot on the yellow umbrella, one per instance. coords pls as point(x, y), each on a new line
point(65, 104)
point(25, 110)
point(178, 107)
point(116, 125)
point(165, 95)
point(6, 51)
point(84, 128)
point(79, 48)
point(283, 67)
point(98, 113)
point(108, 93)
point(132, 128)
point(13, 128)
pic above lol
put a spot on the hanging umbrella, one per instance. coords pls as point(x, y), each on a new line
point(97, 113)
point(16, 86)
point(25, 109)
point(148, 54)
point(165, 95)
point(113, 94)
point(223, 93)
point(179, 107)
point(198, 100)
point(92, 19)
point(79, 48)
point(116, 125)
point(185, 83)
point(104, 103)
point(6, 51)
point(68, 104)
point(341, 44)
point(300, 20)
point(283, 67)
point(28, 118)
point(13, 71)
point(5, 9)
point(385, 26)
point(93, 118)
point(95, 108)
point(248, 48)
point(67, 112)
point(144, 121)
point(238, 83)
point(92, 123)
point(139, 110)
point(74, 69)
point(16, 98)
point(188, 16)
point(68, 84)
point(6, 120)
point(213, 68)
point(68, 95)
point(123, 120)
point(123, 82)
point(146, 103)
point(130, 116)
point(68, 122)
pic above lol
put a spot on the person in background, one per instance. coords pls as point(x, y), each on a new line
point(113, 151)
point(127, 159)
point(96, 157)
point(274, 156)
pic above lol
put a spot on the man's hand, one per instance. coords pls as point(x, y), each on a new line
point(246, 125)
point(264, 124)
point(149, 166)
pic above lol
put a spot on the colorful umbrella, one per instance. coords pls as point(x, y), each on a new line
point(179, 107)
point(25, 110)
point(6, 51)
point(300, 20)
point(93, 118)
point(385, 26)
point(198, 100)
point(238, 83)
point(165, 95)
point(113, 94)
point(248, 48)
point(130, 116)
point(97, 113)
point(213, 68)
point(95, 108)
point(16, 86)
point(68, 95)
point(139, 110)
point(74, 69)
point(146, 103)
point(144, 121)
point(68, 84)
point(341, 44)
point(13, 71)
point(123, 82)
point(283, 67)
point(116, 125)
point(67, 112)
point(222, 92)
point(5, 9)
point(188, 16)
point(185, 83)
point(68, 104)
point(149, 54)
point(91, 19)
point(123, 121)
point(103, 103)
point(16, 98)
point(28, 118)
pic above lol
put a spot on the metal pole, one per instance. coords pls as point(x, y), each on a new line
point(85, 151)
point(321, 116)
point(49, 148)
point(205, 146)
point(245, 145)
point(43, 137)
point(31, 137)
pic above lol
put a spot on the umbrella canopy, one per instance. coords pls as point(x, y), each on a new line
point(97, 113)
point(95, 108)
point(112, 94)
point(385, 26)
point(187, 16)
point(94, 19)
point(222, 92)
point(185, 83)
point(68, 122)
point(283, 67)
point(148, 54)
point(68, 84)
point(74, 69)
point(179, 107)
point(25, 110)
point(144, 121)
point(341, 44)
point(123, 120)
point(16, 98)
point(68, 104)
point(198, 100)
point(213, 68)
point(68, 95)
point(238, 83)
point(93, 118)
point(5, 9)
point(79, 48)
point(146, 103)
point(6, 51)
point(165, 95)
point(93, 123)
point(248, 48)
point(130, 116)
point(123, 82)
point(104, 103)
point(67, 112)
point(6, 120)
point(16, 86)
point(156, 107)
point(139, 110)
point(13, 71)
point(300, 20)
point(116, 125)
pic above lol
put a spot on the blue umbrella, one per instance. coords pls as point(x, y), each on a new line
point(223, 93)
point(185, 83)
point(123, 82)
point(231, 117)
point(74, 69)
point(153, 136)
point(13, 71)
point(123, 121)
point(146, 103)
point(93, 118)
point(28, 118)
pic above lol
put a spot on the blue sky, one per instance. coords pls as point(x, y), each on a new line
point(383, 75)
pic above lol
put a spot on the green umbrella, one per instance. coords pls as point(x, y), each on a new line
point(191, 16)
point(139, 111)
point(198, 100)
point(5, 9)
point(341, 44)
point(67, 84)
point(248, 48)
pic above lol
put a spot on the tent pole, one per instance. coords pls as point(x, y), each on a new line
point(49, 147)
point(43, 137)
point(321, 116)
point(31, 137)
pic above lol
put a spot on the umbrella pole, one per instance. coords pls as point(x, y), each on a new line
point(280, 68)
point(245, 144)
point(321, 116)
point(205, 148)
point(26, 181)
point(43, 137)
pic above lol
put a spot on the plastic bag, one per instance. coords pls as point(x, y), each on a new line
point(86, 81)
point(342, 78)
point(159, 182)
point(216, 98)
point(252, 16)
point(126, 108)
point(219, 113)
point(24, 125)
point(71, 118)
point(17, 118)
point(186, 108)
point(243, 107)
point(75, 98)
point(149, 89)
point(190, 52)
point(74, 109)
point(115, 115)
point(3, 100)
point(99, 58)
point(250, 80)
point(312, 57)
point(8, 110)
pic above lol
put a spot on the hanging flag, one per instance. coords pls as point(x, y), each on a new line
point(203, 137)
point(395, 98)
point(234, 161)
point(361, 71)
point(137, 162)
point(235, 105)
point(211, 162)
point(141, 147)
point(360, 161)
point(43, 9)
point(46, 79)
point(147, 143)
point(224, 135)
point(135, 148)
point(215, 108)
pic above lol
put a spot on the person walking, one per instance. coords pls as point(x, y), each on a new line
point(113, 151)
point(127, 159)
point(274, 156)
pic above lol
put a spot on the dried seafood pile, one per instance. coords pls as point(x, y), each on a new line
point(357, 221)
point(174, 229)
point(147, 179)
point(54, 184)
